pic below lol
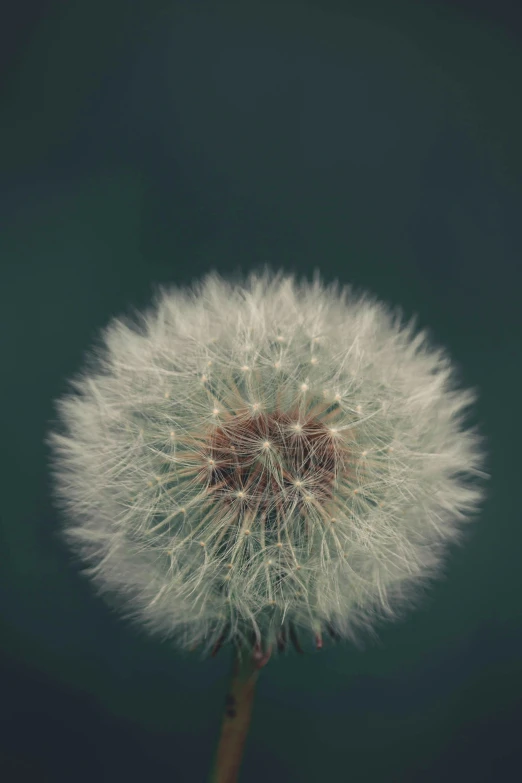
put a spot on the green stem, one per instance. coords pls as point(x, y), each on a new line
point(236, 720)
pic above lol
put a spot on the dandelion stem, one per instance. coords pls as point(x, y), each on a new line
point(236, 720)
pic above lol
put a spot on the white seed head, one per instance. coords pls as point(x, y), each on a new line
point(207, 527)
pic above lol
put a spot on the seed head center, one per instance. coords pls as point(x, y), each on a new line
point(270, 460)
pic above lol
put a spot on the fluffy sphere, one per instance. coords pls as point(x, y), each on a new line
point(264, 460)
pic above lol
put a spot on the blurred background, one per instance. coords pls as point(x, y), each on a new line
point(146, 143)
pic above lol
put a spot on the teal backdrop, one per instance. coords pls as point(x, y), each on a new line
point(148, 143)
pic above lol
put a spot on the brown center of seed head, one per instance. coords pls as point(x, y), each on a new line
point(273, 462)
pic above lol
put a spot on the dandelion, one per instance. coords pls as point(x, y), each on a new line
point(264, 463)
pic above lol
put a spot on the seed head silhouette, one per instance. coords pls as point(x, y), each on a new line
point(265, 462)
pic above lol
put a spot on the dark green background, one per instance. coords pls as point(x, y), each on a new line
point(145, 143)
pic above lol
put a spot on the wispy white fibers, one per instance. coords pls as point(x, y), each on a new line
point(253, 458)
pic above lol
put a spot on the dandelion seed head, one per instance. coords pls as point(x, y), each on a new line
point(215, 491)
